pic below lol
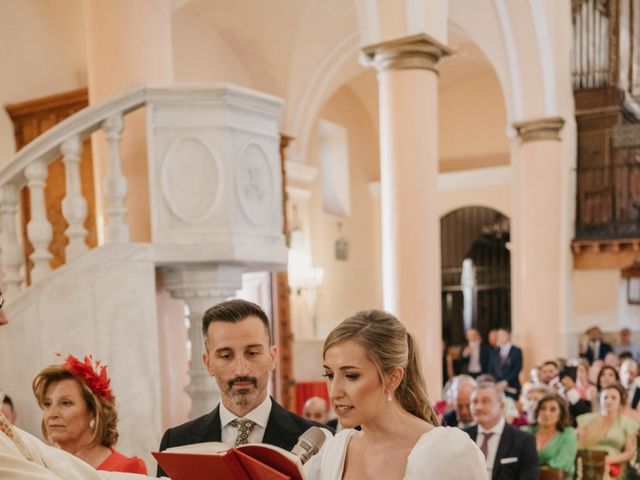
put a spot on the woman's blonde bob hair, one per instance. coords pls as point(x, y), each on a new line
point(105, 432)
point(388, 346)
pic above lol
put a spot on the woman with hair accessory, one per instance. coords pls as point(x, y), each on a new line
point(372, 365)
point(79, 414)
point(610, 430)
point(555, 438)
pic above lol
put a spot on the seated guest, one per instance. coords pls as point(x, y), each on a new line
point(79, 414)
point(475, 355)
point(510, 410)
point(594, 370)
point(510, 452)
point(8, 409)
point(460, 415)
point(555, 439)
point(577, 406)
point(584, 387)
point(628, 373)
point(549, 373)
point(374, 375)
point(610, 430)
point(316, 409)
point(612, 359)
point(607, 375)
point(532, 395)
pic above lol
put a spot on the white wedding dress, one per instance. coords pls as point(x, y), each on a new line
point(445, 453)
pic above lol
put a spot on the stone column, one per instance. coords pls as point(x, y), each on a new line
point(537, 225)
point(408, 98)
point(128, 43)
point(201, 286)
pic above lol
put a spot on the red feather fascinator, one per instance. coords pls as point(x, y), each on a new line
point(92, 374)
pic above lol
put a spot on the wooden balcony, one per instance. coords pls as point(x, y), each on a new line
point(607, 229)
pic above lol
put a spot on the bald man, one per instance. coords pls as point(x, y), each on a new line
point(316, 409)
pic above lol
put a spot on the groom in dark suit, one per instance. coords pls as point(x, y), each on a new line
point(511, 453)
point(240, 355)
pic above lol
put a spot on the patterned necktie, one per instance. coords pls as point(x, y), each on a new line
point(484, 447)
point(244, 429)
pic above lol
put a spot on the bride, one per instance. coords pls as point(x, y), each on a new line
point(375, 382)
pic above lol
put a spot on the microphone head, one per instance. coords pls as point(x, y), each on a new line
point(315, 436)
point(309, 444)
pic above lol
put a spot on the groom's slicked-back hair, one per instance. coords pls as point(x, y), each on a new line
point(233, 311)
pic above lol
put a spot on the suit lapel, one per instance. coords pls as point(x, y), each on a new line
point(503, 447)
point(207, 430)
point(281, 430)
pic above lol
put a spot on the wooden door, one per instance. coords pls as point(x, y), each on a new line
point(31, 119)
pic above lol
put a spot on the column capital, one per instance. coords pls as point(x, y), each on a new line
point(414, 52)
point(547, 128)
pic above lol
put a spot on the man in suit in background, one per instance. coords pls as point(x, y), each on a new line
point(475, 355)
point(240, 355)
point(317, 410)
point(460, 416)
point(505, 364)
point(596, 349)
point(511, 453)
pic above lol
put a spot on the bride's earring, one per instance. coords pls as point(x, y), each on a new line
point(389, 396)
point(92, 423)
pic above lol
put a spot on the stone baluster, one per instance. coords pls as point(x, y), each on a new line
point(12, 253)
point(39, 229)
point(74, 205)
point(115, 183)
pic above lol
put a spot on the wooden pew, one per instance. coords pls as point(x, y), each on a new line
point(548, 473)
point(590, 465)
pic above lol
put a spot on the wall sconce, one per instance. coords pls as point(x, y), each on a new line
point(302, 276)
point(304, 279)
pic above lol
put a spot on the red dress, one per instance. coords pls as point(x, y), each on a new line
point(117, 462)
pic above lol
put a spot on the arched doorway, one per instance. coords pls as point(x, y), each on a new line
point(476, 272)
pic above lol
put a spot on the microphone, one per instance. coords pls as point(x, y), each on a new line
point(309, 444)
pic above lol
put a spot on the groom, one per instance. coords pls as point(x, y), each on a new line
point(240, 355)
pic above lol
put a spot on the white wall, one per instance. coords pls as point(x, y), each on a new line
point(200, 54)
point(353, 284)
point(42, 52)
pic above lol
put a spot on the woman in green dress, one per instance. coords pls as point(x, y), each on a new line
point(611, 431)
point(555, 438)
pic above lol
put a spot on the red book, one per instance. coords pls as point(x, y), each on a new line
point(254, 461)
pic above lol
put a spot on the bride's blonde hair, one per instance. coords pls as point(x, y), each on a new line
point(388, 345)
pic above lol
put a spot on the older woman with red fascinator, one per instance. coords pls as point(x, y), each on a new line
point(79, 414)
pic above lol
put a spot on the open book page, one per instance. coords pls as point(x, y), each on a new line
point(251, 461)
point(211, 448)
point(275, 457)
